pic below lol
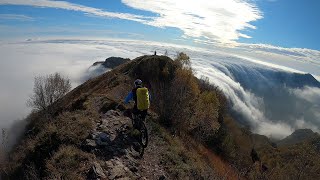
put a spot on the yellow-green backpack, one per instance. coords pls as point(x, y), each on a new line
point(143, 102)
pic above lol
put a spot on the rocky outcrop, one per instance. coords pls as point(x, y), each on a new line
point(96, 172)
point(111, 62)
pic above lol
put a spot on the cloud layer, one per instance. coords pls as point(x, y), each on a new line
point(73, 7)
point(219, 21)
point(251, 87)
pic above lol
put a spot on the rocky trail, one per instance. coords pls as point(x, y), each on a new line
point(118, 152)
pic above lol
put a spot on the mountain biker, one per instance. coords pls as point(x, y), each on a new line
point(141, 97)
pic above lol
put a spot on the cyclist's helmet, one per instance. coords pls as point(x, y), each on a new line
point(138, 83)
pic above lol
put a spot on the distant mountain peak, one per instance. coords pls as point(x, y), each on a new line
point(297, 136)
point(111, 62)
point(308, 80)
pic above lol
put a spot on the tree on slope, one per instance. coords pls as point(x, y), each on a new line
point(47, 90)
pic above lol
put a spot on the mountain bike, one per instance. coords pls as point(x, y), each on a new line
point(138, 123)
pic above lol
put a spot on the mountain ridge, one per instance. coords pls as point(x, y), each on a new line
point(88, 134)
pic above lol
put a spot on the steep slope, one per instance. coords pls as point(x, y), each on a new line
point(84, 135)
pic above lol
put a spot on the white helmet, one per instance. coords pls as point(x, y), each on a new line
point(137, 83)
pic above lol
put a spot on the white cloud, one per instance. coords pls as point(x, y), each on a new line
point(302, 124)
point(311, 94)
point(215, 21)
point(22, 61)
point(16, 17)
point(300, 54)
point(250, 106)
point(289, 59)
point(74, 7)
point(31, 32)
point(274, 130)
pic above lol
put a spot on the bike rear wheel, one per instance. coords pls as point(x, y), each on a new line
point(144, 135)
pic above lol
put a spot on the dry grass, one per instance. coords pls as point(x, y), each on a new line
point(68, 163)
point(180, 161)
point(73, 128)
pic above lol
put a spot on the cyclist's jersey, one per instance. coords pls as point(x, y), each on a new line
point(134, 97)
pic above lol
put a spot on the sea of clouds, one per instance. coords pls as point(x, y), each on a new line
point(255, 78)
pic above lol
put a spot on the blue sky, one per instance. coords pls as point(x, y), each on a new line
point(288, 23)
point(285, 23)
